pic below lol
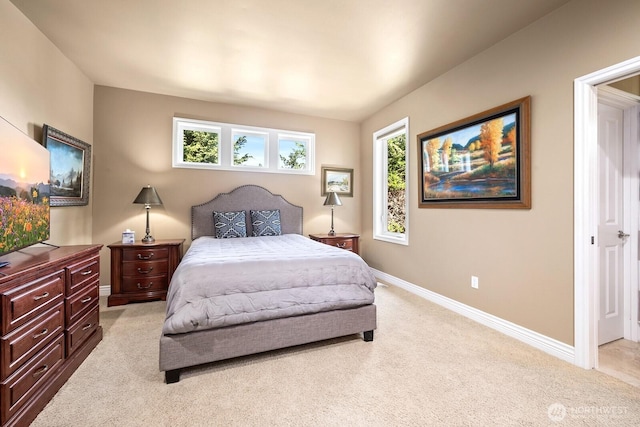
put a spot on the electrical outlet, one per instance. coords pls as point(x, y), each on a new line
point(474, 282)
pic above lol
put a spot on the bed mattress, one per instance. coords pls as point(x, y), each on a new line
point(225, 282)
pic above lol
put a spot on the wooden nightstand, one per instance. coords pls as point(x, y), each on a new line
point(142, 271)
point(347, 241)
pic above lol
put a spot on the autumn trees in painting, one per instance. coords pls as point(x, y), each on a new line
point(477, 159)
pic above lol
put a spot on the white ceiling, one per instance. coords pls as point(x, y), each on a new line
point(342, 59)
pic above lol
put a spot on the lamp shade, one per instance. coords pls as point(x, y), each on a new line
point(148, 196)
point(332, 199)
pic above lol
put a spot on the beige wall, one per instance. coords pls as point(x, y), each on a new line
point(39, 85)
point(133, 134)
point(523, 258)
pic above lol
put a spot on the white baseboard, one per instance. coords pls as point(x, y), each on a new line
point(541, 342)
point(105, 290)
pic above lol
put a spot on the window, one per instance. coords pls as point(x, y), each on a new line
point(293, 152)
point(250, 149)
point(209, 145)
point(200, 144)
point(391, 187)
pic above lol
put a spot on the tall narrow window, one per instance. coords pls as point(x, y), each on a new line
point(391, 195)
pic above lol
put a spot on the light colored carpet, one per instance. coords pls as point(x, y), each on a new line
point(426, 366)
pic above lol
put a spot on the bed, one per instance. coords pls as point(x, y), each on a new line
point(232, 297)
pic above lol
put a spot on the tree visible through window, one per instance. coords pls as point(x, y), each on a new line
point(293, 154)
point(396, 183)
point(201, 144)
point(200, 147)
point(391, 199)
point(239, 159)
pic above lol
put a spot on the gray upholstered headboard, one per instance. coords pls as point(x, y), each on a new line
point(246, 197)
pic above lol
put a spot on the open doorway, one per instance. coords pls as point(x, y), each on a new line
point(586, 255)
point(618, 231)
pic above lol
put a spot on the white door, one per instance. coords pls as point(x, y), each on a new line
point(611, 235)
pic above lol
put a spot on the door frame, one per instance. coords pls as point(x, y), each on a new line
point(585, 209)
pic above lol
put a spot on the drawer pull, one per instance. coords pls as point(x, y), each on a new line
point(41, 371)
point(145, 287)
point(87, 326)
point(86, 273)
point(145, 257)
point(85, 300)
point(39, 297)
point(141, 271)
point(45, 331)
point(341, 245)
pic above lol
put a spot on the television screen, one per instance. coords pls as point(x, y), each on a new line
point(24, 190)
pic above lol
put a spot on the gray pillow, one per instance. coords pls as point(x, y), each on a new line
point(266, 223)
point(230, 224)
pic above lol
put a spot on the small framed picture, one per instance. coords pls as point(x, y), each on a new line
point(338, 180)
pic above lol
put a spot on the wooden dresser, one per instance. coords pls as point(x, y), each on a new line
point(50, 323)
point(142, 271)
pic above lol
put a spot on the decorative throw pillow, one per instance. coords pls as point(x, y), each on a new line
point(230, 224)
point(266, 223)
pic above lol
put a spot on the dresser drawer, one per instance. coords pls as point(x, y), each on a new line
point(140, 254)
point(23, 303)
point(25, 382)
point(81, 303)
point(80, 331)
point(27, 340)
point(144, 284)
point(145, 268)
point(83, 274)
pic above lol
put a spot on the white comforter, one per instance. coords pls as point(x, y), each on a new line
point(223, 282)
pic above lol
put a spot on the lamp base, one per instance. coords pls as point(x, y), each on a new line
point(148, 239)
point(331, 233)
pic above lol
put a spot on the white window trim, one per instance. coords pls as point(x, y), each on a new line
point(225, 149)
point(380, 231)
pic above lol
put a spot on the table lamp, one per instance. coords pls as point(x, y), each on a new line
point(148, 196)
point(332, 200)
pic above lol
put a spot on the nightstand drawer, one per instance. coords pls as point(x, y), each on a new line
point(140, 254)
point(346, 241)
point(341, 243)
point(144, 284)
point(145, 268)
point(25, 302)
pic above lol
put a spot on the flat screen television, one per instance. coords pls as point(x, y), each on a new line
point(24, 190)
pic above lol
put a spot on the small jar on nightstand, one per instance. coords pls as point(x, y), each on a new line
point(346, 241)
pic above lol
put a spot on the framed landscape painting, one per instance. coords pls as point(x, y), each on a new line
point(338, 180)
point(483, 161)
point(70, 168)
